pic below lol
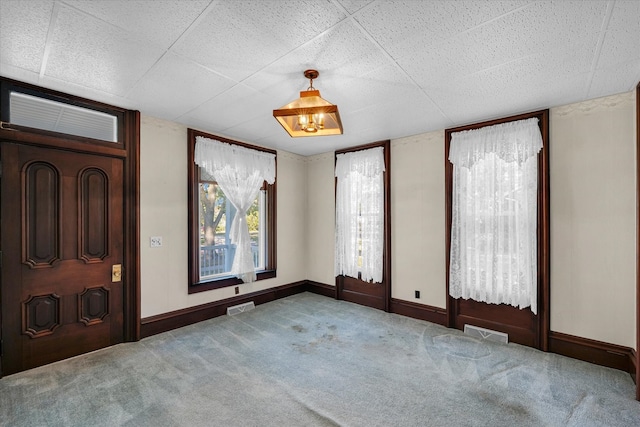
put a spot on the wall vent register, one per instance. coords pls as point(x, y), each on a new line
point(40, 113)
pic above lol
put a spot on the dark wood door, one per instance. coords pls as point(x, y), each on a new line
point(352, 289)
point(61, 235)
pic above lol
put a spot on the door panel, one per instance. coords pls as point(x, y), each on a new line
point(62, 231)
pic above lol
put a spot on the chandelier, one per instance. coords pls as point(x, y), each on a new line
point(309, 115)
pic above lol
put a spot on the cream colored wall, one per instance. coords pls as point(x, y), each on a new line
point(593, 219)
point(418, 219)
point(320, 212)
point(163, 212)
point(592, 167)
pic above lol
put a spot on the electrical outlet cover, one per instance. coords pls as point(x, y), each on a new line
point(155, 241)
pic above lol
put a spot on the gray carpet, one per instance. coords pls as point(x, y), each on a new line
point(309, 360)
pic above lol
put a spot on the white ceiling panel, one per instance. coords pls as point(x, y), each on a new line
point(615, 79)
point(394, 68)
point(20, 74)
point(67, 86)
point(406, 27)
point(254, 129)
point(175, 86)
point(263, 32)
point(166, 23)
point(342, 52)
point(92, 53)
point(352, 6)
point(231, 108)
point(619, 45)
point(23, 32)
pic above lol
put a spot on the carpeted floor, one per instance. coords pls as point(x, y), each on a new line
point(309, 360)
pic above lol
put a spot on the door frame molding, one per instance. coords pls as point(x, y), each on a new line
point(543, 233)
point(637, 355)
point(128, 149)
point(386, 267)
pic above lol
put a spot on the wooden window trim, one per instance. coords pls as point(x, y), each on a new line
point(195, 285)
point(364, 296)
point(543, 230)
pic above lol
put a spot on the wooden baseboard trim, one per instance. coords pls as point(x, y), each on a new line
point(321, 289)
point(176, 319)
point(598, 352)
point(419, 311)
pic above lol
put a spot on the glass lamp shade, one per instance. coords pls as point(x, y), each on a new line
point(309, 115)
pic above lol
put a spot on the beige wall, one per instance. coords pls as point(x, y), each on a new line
point(417, 219)
point(593, 225)
point(320, 237)
point(163, 212)
point(592, 166)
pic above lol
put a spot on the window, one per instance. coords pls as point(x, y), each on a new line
point(360, 214)
point(26, 107)
point(212, 251)
point(215, 218)
point(494, 214)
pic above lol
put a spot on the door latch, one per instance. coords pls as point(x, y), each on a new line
point(116, 273)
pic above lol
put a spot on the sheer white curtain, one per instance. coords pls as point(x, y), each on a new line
point(360, 214)
point(494, 214)
point(240, 172)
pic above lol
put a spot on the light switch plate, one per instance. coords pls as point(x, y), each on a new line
point(155, 241)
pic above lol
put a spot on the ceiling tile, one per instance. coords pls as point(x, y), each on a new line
point(23, 32)
point(616, 79)
point(262, 31)
point(67, 86)
point(342, 52)
point(352, 6)
point(20, 74)
point(97, 55)
point(619, 46)
point(408, 114)
point(170, 18)
point(175, 86)
point(255, 129)
point(501, 92)
point(393, 67)
point(406, 27)
point(237, 105)
point(443, 67)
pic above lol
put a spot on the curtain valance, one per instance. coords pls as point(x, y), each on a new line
point(214, 156)
point(511, 142)
point(369, 163)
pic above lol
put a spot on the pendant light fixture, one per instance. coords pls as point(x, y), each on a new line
point(309, 115)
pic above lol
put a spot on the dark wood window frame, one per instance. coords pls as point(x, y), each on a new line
point(637, 349)
point(353, 289)
point(542, 326)
point(195, 284)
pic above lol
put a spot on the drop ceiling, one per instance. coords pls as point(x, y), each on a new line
point(394, 68)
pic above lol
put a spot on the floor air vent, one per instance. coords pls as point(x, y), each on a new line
point(486, 334)
point(241, 308)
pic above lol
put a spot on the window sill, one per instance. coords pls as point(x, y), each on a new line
point(226, 281)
